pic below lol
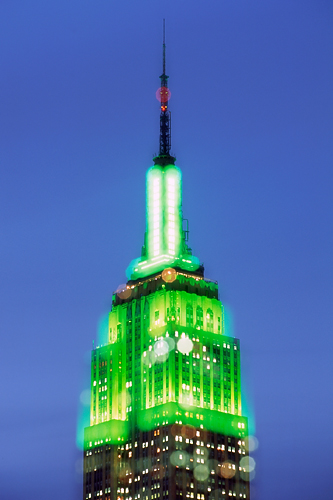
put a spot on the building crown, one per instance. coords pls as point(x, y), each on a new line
point(165, 243)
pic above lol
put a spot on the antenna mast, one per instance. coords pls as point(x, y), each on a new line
point(163, 46)
point(163, 94)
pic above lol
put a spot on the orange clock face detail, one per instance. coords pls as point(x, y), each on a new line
point(163, 94)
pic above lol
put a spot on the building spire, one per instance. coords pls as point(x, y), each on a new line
point(163, 46)
point(163, 95)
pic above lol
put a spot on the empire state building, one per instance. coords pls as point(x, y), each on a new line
point(166, 414)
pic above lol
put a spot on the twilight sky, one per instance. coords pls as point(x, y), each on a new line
point(252, 124)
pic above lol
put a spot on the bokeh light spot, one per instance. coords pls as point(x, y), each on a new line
point(123, 292)
point(148, 358)
point(125, 474)
point(216, 495)
point(247, 463)
point(171, 343)
point(226, 470)
point(85, 397)
point(158, 472)
point(163, 94)
point(161, 347)
point(201, 472)
point(251, 443)
point(185, 345)
point(128, 398)
point(169, 275)
point(180, 458)
point(188, 431)
point(176, 429)
point(247, 476)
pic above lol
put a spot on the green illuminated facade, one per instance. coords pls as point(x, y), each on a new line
point(166, 413)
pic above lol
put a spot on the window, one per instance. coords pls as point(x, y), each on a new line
point(189, 315)
point(157, 315)
point(210, 320)
point(199, 318)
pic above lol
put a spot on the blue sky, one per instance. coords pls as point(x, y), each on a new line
point(252, 127)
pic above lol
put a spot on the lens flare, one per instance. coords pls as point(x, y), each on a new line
point(85, 397)
point(170, 342)
point(148, 358)
point(186, 403)
point(180, 458)
point(161, 348)
point(188, 431)
point(216, 495)
point(163, 94)
point(201, 472)
point(212, 465)
point(169, 275)
point(123, 292)
point(248, 464)
point(251, 444)
point(247, 476)
point(227, 469)
point(157, 472)
point(176, 429)
point(185, 345)
point(128, 399)
point(125, 475)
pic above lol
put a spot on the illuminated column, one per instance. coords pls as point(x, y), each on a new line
point(164, 217)
point(172, 211)
point(154, 212)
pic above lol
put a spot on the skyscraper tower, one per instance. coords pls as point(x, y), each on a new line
point(166, 418)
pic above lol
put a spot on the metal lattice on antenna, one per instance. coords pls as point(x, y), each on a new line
point(163, 95)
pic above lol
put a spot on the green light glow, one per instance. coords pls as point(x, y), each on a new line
point(164, 239)
point(82, 423)
point(110, 432)
point(171, 413)
point(102, 329)
point(167, 356)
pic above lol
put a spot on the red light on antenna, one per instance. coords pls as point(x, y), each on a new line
point(163, 94)
point(164, 108)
